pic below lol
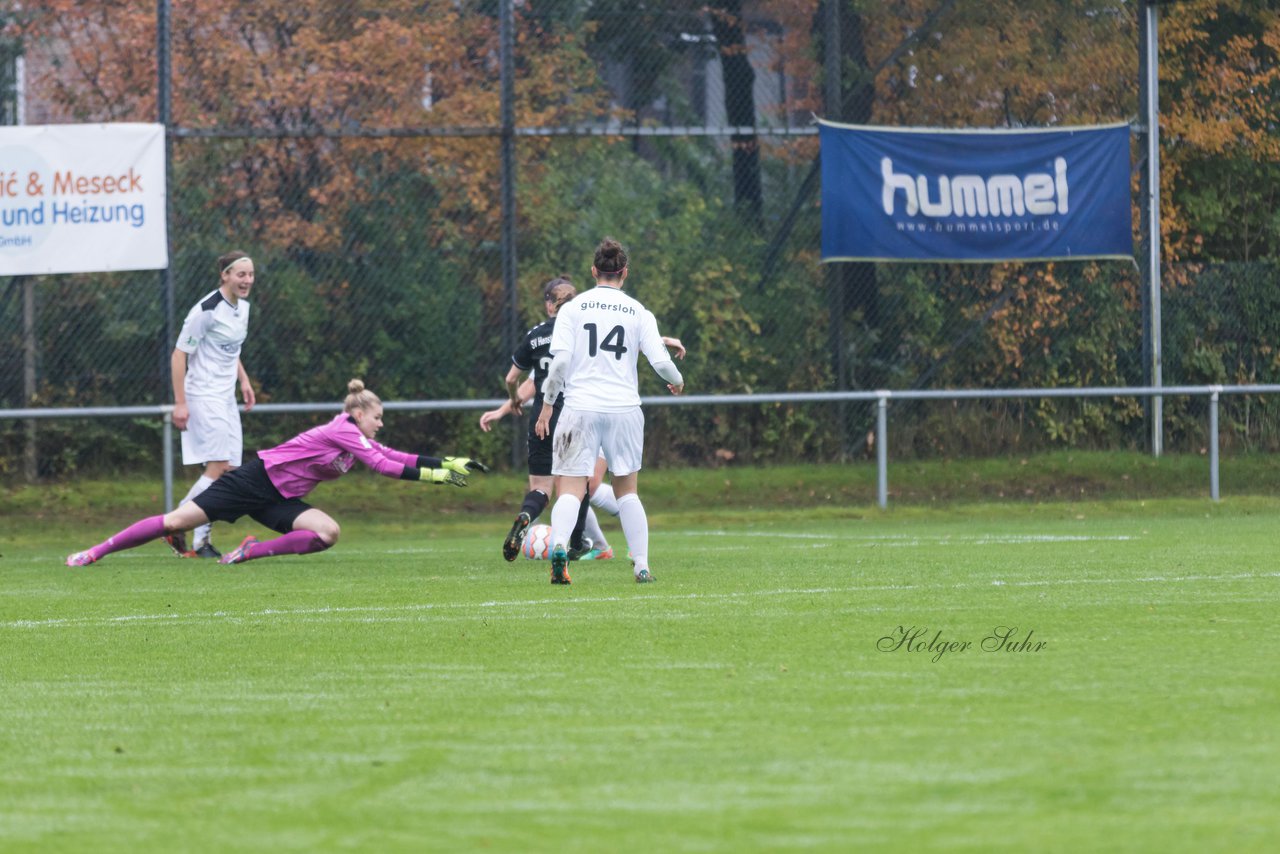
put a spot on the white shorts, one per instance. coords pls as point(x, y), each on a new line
point(213, 432)
point(583, 436)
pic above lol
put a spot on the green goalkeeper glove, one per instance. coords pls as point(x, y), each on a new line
point(464, 465)
point(452, 478)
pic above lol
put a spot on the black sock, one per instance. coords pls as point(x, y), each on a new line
point(575, 539)
point(534, 503)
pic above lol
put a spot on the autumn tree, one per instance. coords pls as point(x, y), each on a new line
point(1220, 116)
point(340, 139)
point(354, 143)
point(297, 74)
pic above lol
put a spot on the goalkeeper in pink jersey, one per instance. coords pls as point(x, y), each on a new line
point(270, 488)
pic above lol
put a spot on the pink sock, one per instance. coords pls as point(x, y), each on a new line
point(142, 531)
point(292, 543)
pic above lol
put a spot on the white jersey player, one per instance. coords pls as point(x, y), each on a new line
point(206, 366)
point(595, 350)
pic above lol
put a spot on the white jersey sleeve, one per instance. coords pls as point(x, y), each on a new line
point(194, 329)
point(656, 351)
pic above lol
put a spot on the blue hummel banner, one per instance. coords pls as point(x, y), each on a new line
point(976, 195)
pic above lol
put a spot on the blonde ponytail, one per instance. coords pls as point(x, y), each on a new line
point(359, 397)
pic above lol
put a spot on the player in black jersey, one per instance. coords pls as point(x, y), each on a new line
point(532, 356)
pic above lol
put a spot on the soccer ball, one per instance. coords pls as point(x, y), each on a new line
point(537, 542)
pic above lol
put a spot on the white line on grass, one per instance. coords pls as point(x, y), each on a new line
point(887, 540)
point(60, 622)
point(914, 539)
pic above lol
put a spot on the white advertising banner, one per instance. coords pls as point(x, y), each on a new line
point(82, 199)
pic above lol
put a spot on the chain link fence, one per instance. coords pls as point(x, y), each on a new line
point(355, 151)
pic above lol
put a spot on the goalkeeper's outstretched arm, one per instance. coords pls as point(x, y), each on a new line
point(447, 470)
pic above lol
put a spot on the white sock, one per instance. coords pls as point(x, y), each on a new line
point(203, 483)
point(564, 515)
point(201, 536)
point(591, 529)
point(635, 527)
point(604, 498)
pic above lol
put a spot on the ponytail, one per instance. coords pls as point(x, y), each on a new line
point(359, 397)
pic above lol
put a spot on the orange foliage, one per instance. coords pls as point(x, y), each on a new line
point(1226, 103)
point(299, 68)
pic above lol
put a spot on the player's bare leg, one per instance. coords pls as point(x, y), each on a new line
point(143, 531)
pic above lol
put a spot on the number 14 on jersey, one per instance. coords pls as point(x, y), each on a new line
point(613, 341)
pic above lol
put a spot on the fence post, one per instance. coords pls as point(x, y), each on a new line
point(164, 114)
point(882, 448)
point(507, 111)
point(166, 433)
point(1153, 355)
point(30, 353)
point(1213, 441)
point(835, 272)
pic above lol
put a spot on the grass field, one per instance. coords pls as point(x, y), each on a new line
point(408, 690)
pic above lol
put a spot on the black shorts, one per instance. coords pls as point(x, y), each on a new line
point(540, 449)
point(247, 491)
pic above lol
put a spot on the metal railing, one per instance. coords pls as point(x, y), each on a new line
point(880, 397)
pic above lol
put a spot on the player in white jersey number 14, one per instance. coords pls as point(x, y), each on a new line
point(595, 349)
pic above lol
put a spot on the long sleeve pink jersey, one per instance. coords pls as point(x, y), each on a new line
point(328, 452)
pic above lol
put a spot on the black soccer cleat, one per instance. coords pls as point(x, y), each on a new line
point(207, 550)
point(576, 553)
point(511, 545)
